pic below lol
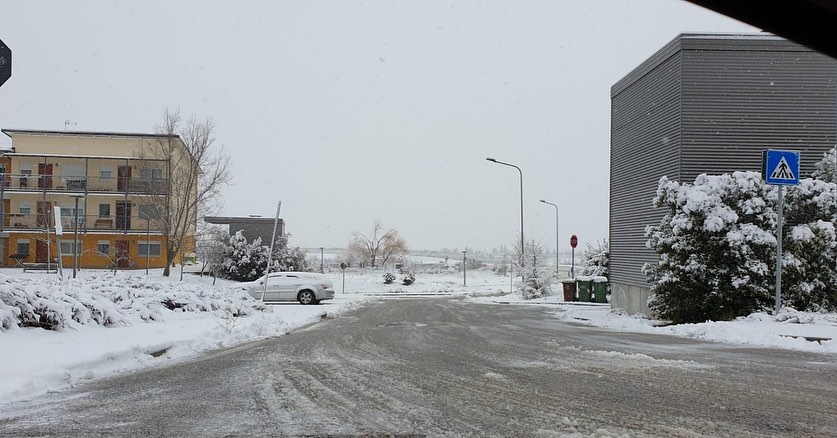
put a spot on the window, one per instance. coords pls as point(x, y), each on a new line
point(105, 174)
point(24, 209)
point(25, 171)
point(67, 247)
point(23, 246)
point(104, 210)
point(151, 173)
point(150, 249)
point(70, 211)
point(103, 247)
point(68, 216)
point(148, 211)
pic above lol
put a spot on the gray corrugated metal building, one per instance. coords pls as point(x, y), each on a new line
point(707, 103)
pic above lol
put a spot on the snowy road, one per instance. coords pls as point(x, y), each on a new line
point(446, 367)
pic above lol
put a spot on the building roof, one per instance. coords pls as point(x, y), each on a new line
point(754, 42)
point(11, 132)
point(238, 219)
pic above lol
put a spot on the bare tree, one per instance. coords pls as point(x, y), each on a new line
point(378, 246)
point(195, 172)
point(210, 250)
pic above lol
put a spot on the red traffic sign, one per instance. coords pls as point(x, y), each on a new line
point(574, 241)
point(5, 62)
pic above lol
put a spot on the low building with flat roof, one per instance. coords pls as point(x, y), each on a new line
point(250, 226)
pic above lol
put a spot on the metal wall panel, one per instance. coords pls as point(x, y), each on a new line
point(709, 104)
point(737, 103)
point(645, 144)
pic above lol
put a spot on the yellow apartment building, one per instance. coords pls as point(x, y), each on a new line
point(109, 190)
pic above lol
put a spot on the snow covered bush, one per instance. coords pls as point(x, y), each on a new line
point(809, 279)
point(827, 167)
point(244, 261)
point(286, 258)
point(715, 246)
point(596, 260)
point(109, 300)
point(247, 261)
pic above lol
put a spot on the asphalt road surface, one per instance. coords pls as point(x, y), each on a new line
point(445, 367)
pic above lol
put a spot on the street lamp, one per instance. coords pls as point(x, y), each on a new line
point(322, 261)
point(557, 259)
point(521, 204)
point(75, 237)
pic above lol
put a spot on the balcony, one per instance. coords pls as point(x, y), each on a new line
point(83, 184)
point(34, 222)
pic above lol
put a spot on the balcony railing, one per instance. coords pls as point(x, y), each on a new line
point(34, 222)
point(83, 184)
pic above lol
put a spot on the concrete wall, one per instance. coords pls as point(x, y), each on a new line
point(633, 299)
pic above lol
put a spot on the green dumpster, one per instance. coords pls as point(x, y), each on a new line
point(585, 288)
point(569, 289)
point(600, 289)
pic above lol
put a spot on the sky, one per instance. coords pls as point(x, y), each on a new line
point(36, 361)
point(354, 111)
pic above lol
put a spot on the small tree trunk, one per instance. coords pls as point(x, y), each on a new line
point(169, 259)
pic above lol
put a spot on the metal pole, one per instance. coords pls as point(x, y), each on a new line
point(557, 244)
point(572, 269)
point(464, 275)
point(522, 258)
point(779, 209)
point(322, 261)
point(148, 244)
point(75, 243)
point(269, 256)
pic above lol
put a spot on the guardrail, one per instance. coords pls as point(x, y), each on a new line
point(38, 222)
point(13, 182)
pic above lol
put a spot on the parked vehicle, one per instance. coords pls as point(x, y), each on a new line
point(305, 287)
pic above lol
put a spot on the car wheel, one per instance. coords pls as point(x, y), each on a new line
point(307, 297)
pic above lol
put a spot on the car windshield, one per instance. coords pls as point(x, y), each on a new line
point(418, 218)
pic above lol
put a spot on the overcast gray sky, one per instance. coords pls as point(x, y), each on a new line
point(351, 111)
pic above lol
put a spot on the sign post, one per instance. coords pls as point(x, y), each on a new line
point(780, 168)
point(5, 62)
point(573, 244)
point(59, 230)
point(343, 267)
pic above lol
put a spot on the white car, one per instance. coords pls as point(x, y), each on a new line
point(305, 287)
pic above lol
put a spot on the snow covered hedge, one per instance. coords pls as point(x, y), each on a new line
point(717, 247)
point(109, 299)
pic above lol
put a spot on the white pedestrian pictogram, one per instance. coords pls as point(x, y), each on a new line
point(783, 171)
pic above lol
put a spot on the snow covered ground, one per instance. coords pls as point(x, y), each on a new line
point(36, 361)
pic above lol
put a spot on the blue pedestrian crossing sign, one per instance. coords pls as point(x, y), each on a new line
point(780, 167)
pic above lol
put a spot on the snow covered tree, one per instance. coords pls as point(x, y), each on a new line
point(596, 259)
point(244, 261)
point(826, 169)
point(716, 247)
point(288, 259)
point(211, 250)
point(809, 280)
point(537, 276)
